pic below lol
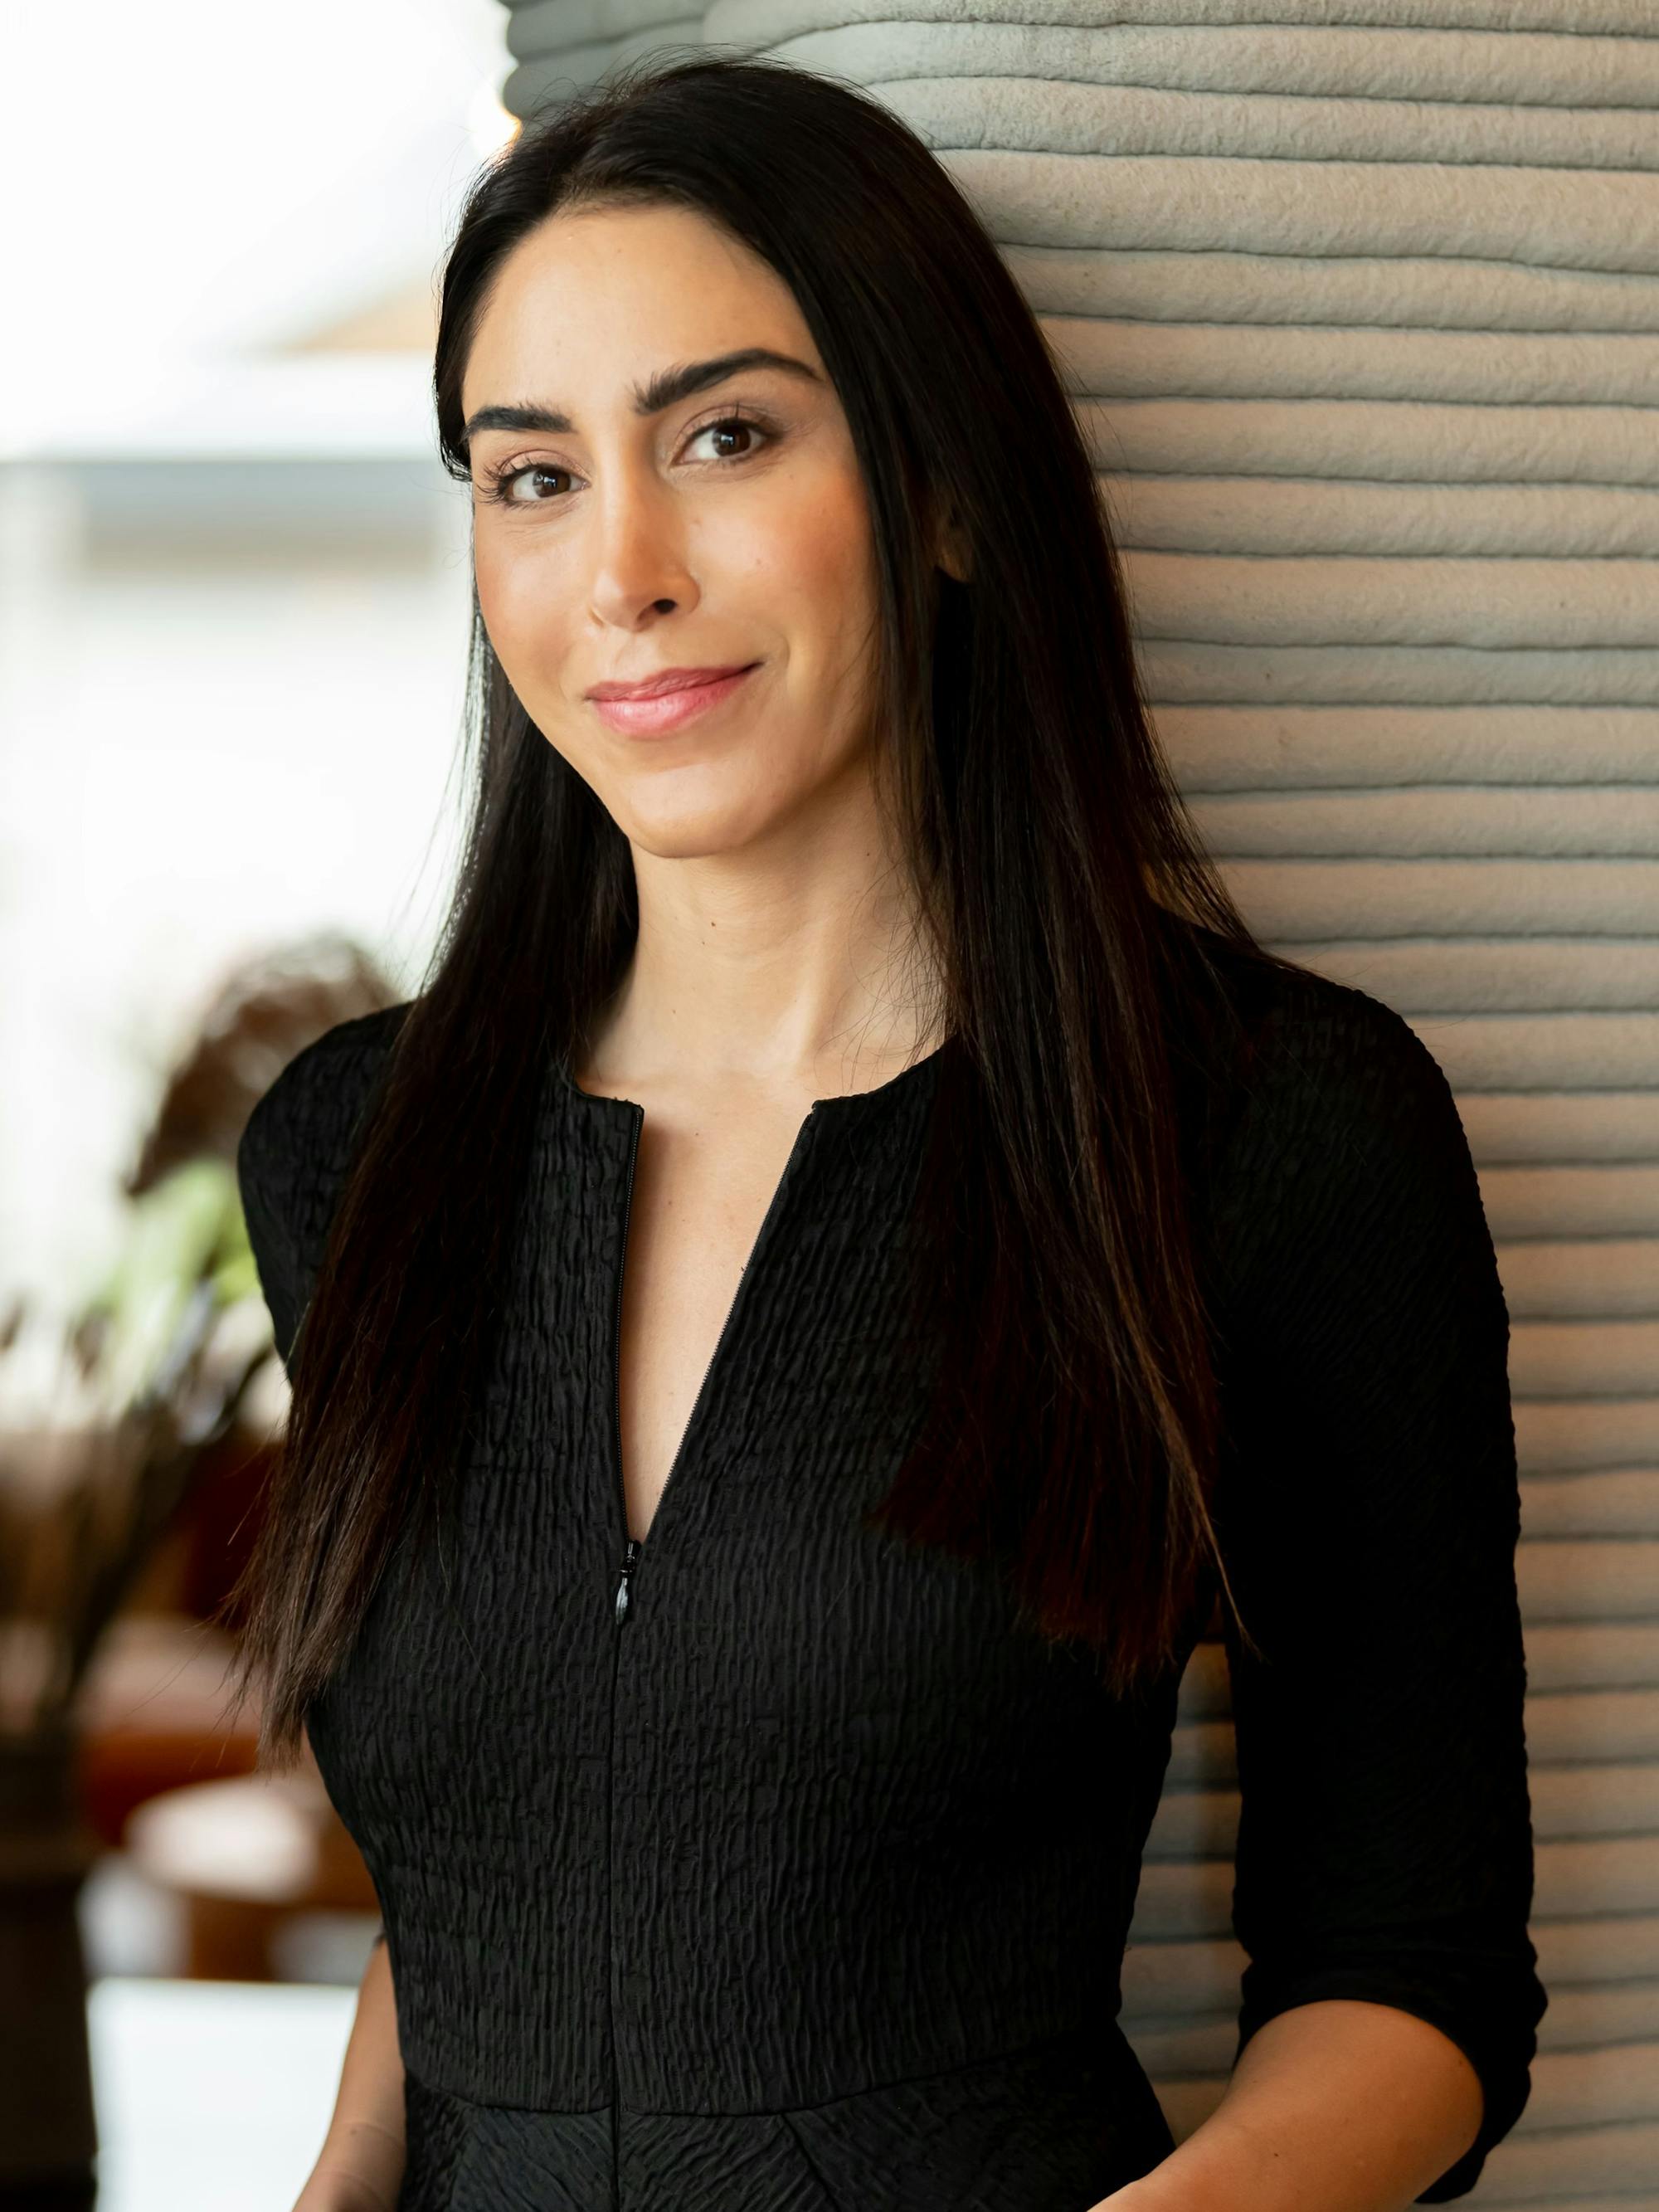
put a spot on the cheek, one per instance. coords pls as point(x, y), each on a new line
point(807, 576)
point(815, 547)
point(517, 599)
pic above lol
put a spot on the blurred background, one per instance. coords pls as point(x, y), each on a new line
point(234, 608)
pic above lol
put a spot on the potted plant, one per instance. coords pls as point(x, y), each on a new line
point(108, 1416)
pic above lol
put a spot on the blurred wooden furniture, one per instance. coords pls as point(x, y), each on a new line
point(152, 1717)
point(242, 1854)
point(48, 2132)
point(166, 1776)
point(152, 1710)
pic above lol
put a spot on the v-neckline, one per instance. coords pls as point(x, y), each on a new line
point(846, 1106)
point(773, 1207)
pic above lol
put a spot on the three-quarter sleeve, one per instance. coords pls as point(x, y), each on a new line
point(1369, 1513)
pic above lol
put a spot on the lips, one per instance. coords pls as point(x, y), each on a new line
point(670, 679)
point(656, 715)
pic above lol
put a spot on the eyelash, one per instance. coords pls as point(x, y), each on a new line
point(498, 480)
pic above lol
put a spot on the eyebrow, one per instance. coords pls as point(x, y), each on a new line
point(666, 389)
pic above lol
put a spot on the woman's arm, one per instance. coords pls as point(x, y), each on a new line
point(361, 2165)
point(1334, 2106)
point(1368, 1510)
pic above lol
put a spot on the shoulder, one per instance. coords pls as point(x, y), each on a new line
point(1338, 1146)
point(1319, 1067)
point(1347, 1219)
point(302, 1125)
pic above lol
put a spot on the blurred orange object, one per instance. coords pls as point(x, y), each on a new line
point(243, 1854)
point(152, 1712)
point(151, 1716)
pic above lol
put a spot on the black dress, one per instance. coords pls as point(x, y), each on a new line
point(783, 1872)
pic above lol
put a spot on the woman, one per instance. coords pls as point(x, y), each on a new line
point(851, 1255)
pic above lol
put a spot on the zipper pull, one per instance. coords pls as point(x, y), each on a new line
point(629, 1556)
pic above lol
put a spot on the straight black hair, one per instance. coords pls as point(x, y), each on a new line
point(1074, 1430)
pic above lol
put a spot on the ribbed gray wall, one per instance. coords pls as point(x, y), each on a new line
point(1360, 303)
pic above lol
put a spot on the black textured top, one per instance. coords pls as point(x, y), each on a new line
point(785, 1872)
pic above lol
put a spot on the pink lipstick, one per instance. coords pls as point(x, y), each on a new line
point(655, 714)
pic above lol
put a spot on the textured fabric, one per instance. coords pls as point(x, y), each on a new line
point(805, 1883)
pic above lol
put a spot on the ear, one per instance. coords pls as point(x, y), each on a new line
point(951, 548)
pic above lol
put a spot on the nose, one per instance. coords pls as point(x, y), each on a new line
point(638, 550)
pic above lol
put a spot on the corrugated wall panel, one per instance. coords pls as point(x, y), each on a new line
point(1357, 301)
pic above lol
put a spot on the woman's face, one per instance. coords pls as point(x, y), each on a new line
point(718, 520)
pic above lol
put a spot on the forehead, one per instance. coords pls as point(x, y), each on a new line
point(587, 300)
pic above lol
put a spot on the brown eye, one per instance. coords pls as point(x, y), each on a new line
point(742, 425)
point(502, 480)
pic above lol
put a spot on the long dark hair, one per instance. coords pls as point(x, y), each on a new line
point(1075, 1427)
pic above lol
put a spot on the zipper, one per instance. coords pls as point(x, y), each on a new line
point(628, 1557)
point(630, 1554)
point(633, 1545)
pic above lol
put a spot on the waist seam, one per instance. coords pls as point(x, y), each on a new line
point(1070, 2038)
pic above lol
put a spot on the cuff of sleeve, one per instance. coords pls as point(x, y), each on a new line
point(1501, 2054)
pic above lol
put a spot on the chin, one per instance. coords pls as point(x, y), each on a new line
point(696, 834)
